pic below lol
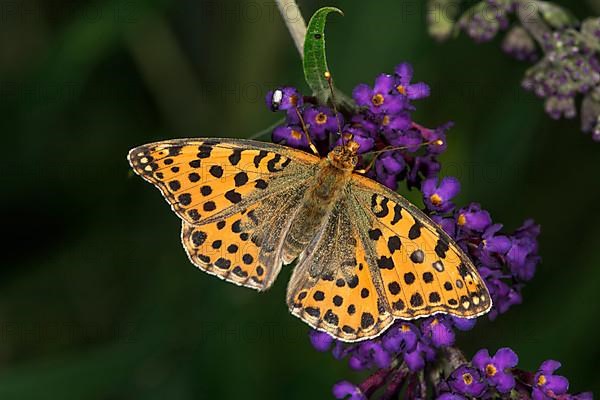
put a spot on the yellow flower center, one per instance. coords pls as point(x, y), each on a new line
point(386, 120)
point(377, 100)
point(490, 370)
point(321, 118)
point(462, 219)
point(401, 89)
point(541, 380)
point(404, 328)
point(296, 135)
point(435, 199)
point(467, 378)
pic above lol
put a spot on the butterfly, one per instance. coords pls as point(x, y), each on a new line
point(365, 255)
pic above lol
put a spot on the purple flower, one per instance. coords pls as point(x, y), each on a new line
point(522, 257)
point(519, 44)
point(284, 98)
point(483, 22)
point(467, 381)
point(415, 360)
point(436, 138)
point(492, 243)
point(346, 390)
point(404, 73)
point(388, 167)
point(439, 331)
point(400, 337)
point(291, 135)
point(437, 197)
point(395, 123)
point(473, 218)
point(503, 295)
point(374, 353)
point(495, 368)
point(411, 139)
point(380, 99)
point(321, 341)
point(547, 385)
point(321, 121)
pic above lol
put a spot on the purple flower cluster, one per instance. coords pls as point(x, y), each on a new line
point(496, 376)
point(569, 66)
point(402, 354)
point(383, 120)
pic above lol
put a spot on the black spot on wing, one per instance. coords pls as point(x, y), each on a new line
point(235, 156)
point(259, 157)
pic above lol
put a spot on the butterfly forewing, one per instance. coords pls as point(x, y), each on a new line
point(235, 198)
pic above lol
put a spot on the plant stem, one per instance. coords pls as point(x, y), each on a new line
point(290, 12)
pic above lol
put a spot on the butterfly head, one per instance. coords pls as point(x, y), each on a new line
point(345, 157)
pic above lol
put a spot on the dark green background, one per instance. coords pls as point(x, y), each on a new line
point(97, 298)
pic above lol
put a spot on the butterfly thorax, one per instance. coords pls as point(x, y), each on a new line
point(324, 191)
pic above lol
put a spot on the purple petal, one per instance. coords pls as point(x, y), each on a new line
point(429, 186)
point(506, 358)
point(497, 244)
point(405, 73)
point(464, 324)
point(417, 91)
point(481, 359)
point(320, 340)
point(549, 366)
point(362, 95)
point(343, 389)
point(414, 360)
point(558, 384)
point(384, 84)
point(449, 187)
point(503, 382)
point(292, 136)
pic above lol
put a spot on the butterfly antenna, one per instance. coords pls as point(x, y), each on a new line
point(305, 130)
point(437, 142)
point(329, 79)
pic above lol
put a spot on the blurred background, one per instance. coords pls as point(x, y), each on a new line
point(97, 298)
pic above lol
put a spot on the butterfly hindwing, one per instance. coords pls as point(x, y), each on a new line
point(234, 197)
point(423, 271)
point(333, 288)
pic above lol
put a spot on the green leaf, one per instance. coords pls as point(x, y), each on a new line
point(315, 60)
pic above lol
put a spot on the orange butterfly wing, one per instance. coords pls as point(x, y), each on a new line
point(388, 261)
point(234, 197)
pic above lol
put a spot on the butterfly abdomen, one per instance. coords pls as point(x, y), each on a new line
point(327, 187)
